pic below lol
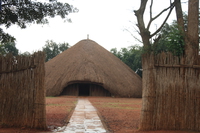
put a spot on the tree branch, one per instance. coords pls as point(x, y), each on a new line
point(179, 15)
point(151, 10)
point(139, 13)
point(145, 34)
point(158, 30)
point(152, 19)
point(134, 36)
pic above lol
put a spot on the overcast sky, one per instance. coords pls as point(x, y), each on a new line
point(103, 20)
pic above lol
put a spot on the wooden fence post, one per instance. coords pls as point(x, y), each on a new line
point(148, 93)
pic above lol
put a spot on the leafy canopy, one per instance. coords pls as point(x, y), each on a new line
point(130, 56)
point(172, 40)
point(52, 49)
point(23, 12)
point(8, 47)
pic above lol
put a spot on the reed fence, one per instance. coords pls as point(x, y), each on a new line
point(22, 93)
point(171, 93)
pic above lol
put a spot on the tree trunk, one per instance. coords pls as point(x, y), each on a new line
point(192, 38)
point(179, 15)
point(145, 34)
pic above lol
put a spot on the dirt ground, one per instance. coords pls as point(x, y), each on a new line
point(119, 115)
point(122, 115)
point(58, 111)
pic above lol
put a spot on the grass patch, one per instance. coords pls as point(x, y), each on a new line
point(75, 102)
point(55, 104)
point(117, 105)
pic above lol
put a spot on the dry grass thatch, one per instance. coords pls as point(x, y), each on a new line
point(87, 61)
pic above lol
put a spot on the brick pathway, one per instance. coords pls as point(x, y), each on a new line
point(84, 119)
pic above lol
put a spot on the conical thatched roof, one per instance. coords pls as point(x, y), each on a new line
point(87, 61)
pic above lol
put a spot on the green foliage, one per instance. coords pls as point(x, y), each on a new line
point(5, 37)
point(172, 40)
point(23, 12)
point(116, 53)
point(52, 49)
point(9, 47)
point(130, 56)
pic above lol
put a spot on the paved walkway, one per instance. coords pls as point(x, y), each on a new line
point(84, 119)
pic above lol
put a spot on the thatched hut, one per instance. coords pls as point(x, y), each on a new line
point(87, 69)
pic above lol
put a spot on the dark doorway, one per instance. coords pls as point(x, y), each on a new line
point(84, 89)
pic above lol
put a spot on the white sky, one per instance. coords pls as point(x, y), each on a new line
point(103, 20)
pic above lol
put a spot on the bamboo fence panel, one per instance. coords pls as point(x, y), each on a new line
point(171, 94)
point(22, 93)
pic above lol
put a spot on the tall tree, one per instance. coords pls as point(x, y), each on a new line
point(131, 56)
point(8, 47)
point(171, 40)
point(23, 12)
point(145, 31)
point(179, 15)
point(192, 33)
point(52, 49)
point(151, 90)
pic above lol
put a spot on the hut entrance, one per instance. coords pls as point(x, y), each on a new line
point(85, 89)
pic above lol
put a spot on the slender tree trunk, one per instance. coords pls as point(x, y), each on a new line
point(179, 15)
point(180, 21)
point(145, 34)
point(192, 38)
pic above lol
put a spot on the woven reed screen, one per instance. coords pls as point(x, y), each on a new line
point(22, 93)
point(171, 94)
